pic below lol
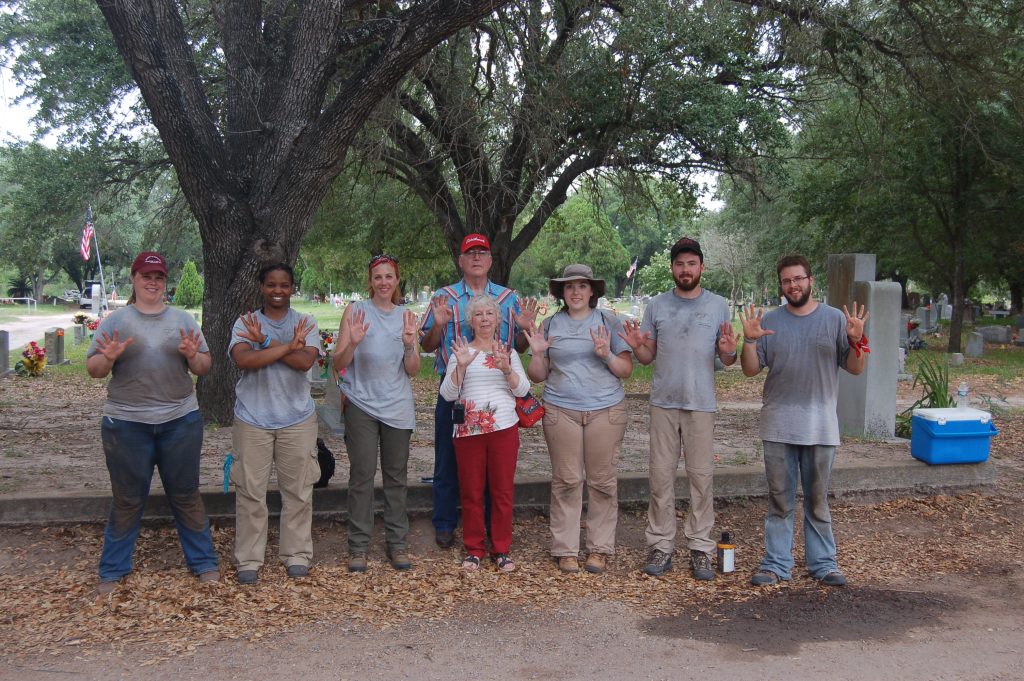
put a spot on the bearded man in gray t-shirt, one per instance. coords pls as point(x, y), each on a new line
point(803, 344)
point(684, 329)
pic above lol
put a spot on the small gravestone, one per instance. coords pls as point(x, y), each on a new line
point(975, 345)
point(54, 340)
point(80, 334)
point(924, 319)
point(904, 329)
point(996, 334)
point(196, 316)
point(956, 359)
point(945, 312)
point(5, 354)
point(1019, 322)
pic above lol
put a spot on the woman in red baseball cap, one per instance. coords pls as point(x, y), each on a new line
point(151, 419)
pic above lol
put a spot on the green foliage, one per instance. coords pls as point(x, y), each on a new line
point(190, 287)
point(656, 277)
point(933, 377)
point(579, 232)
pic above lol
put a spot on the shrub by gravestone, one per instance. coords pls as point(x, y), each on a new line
point(190, 288)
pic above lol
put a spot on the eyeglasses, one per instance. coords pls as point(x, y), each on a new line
point(786, 283)
point(477, 254)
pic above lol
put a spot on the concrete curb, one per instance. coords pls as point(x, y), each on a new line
point(905, 475)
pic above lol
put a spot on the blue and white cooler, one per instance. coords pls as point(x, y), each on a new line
point(951, 435)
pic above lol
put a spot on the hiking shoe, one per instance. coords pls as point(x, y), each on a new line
point(399, 559)
point(700, 562)
point(568, 564)
point(765, 578)
point(834, 578)
point(658, 563)
point(445, 539)
point(298, 571)
point(247, 576)
point(210, 577)
point(596, 563)
point(357, 562)
point(107, 588)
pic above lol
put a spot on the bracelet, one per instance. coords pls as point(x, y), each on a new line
point(749, 340)
point(266, 342)
point(731, 354)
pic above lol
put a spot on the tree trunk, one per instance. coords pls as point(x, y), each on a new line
point(1016, 289)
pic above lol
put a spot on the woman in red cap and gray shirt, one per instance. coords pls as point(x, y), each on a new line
point(151, 418)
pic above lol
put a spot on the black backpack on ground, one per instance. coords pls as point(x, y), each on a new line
point(325, 458)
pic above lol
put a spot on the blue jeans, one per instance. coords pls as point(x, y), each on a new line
point(782, 464)
point(132, 449)
point(446, 473)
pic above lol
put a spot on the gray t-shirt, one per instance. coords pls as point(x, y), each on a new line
point(577, 378)
point(376, 381)
point(274, 396)
point(803, 357)
point(686, 331)
point(150, 381)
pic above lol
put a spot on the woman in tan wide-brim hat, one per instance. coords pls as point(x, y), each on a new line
point(581, 357)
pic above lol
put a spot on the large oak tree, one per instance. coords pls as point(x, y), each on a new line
point(257, 105)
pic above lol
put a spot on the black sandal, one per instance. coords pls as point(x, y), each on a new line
point(470, 564)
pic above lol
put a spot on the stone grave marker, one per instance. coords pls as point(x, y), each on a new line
point(975, 345)
point(54, 339)
point(996, 334)
point(5, 354)
point(956, 359)
point(80, 334)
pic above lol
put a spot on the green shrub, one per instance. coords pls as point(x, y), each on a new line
point(190, 287)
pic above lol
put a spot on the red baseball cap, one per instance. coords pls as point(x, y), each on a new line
point(149, 261)
point(475, 241)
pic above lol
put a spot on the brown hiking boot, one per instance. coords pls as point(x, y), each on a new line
point(596, 563)
point(568, 564)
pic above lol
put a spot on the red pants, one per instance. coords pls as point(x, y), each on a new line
point(487, 461)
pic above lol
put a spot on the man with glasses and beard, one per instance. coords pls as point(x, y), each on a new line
point(803, 344)
point(444, 322)
point(683, 329)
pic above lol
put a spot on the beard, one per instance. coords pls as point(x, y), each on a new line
point(800, 300)
point(687, 286)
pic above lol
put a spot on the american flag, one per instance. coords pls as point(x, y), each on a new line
point(87, 240)
point(632, 268)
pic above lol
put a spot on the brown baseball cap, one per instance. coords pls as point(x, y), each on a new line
point(149, 261)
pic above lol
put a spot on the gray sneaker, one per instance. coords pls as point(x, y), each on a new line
point(298, 571)
point(701, 564)
point(658, 563)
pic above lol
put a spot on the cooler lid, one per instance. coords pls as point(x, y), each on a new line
point(944, 414)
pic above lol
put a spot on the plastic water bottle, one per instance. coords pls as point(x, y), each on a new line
point(961, 396)
point(726, 554)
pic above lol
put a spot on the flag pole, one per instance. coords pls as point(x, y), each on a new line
point(99, 262)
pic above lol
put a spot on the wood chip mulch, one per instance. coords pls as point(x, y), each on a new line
point(53, 608)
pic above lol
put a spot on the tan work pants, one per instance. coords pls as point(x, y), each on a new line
point(693, 432)
point(584, 445)
point(292, 451)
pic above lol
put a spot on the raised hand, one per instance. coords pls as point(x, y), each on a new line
point(357, 326)
point(751, 321)
point(190, 342)
point(535, 337)
point(442, 313)
point(300, 332)
point(410, 327)
point(502, 360)
point(527, 317)
point(632, 335)
point(727, 339)
point(855, 322)
point(253, 329)
point(602, 341)
point(112, 347)
point(464, 354)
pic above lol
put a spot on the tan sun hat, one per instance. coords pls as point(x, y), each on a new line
point(576, 272)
